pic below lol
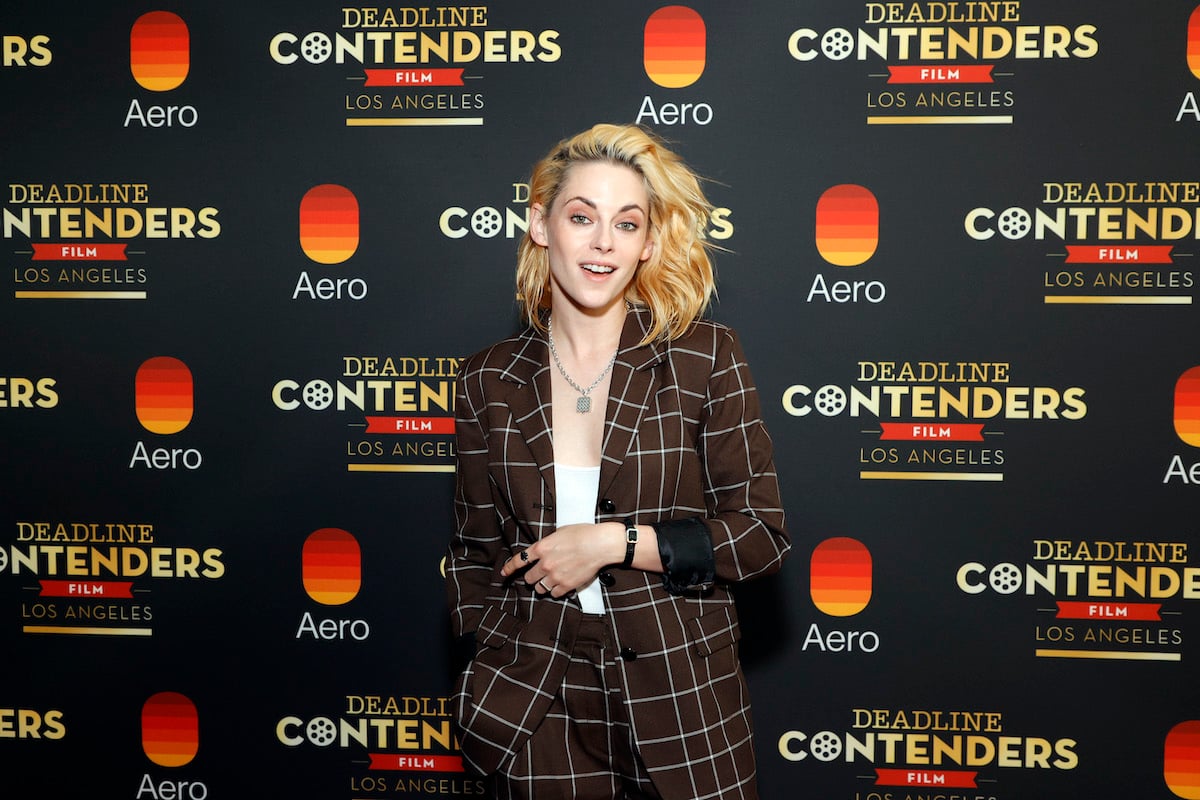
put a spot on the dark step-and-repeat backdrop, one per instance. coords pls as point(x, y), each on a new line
point(247, 245)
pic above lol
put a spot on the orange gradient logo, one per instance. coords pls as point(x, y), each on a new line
point(163, 395)
point(329, 223)
point(332, 566)
point(847, 225)
point(1181, 760)
point(159, 51)
point(170, 729)
point(1187, 407)
point(675, 48)
point(841, 576)
point(1193, 42)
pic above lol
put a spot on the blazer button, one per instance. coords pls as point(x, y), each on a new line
point(628, 653)
point(607, 506)
point(607, 579)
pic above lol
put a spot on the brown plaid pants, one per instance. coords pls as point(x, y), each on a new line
point(584, 748)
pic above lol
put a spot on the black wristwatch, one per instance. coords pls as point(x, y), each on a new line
point(631, 536)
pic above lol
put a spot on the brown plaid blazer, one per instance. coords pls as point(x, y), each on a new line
point(683, 439)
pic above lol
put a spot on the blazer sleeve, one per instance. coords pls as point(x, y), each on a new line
point(743, 535)
point(476, 541)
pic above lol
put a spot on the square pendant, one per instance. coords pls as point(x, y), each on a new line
point(584, 404)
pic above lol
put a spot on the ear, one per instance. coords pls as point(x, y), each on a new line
point(648, 250)
point(537, 224)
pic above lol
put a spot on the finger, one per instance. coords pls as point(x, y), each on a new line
point(516, 561)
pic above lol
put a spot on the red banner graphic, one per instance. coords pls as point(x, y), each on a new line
point(956, 73)
point(59, 251)
point(434, 426)
point(921, 777)
point(1124, 254)
point(1142, 612)
point(932, 432)
point(416, 763)
point(414, 77)
point(109, 590)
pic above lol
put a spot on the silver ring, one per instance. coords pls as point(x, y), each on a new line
point(542, 583)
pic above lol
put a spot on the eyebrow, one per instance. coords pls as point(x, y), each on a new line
point(592, 204)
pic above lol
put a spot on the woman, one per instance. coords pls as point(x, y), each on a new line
point(614, 480)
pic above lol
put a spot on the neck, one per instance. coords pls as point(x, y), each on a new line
point(587, 335)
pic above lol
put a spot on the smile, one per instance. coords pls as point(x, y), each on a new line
point(599, 269)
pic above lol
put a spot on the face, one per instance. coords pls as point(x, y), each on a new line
point(596, 233)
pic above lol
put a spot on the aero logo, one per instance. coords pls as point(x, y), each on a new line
point(159, 51)
point(332, 566)
point(329, 223)
point(1181, 760)
point(841, 576)
point(170, 729)
point(847, 225)
point(163, 395)
point(1187, 407)
point(674, 48)
point(1193, 42)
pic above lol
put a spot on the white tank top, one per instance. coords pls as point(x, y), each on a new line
point(577, 489)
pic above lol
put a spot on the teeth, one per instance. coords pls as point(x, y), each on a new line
point(597, 268)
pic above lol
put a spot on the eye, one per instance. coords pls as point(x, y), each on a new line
point(580, 219)
point(628, 225)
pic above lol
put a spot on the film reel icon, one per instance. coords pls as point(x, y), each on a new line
point(1014, 223)
point(318, 395)
point(830, 401)
point(837, 44)
point(316, 48)
point(321, 731)
point(1005, 578)
point(486, 222)
point(826, 746)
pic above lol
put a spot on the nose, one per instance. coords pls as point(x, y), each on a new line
point(602, 238)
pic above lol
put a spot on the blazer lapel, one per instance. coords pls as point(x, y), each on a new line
point(633, 381)
point(529, 402)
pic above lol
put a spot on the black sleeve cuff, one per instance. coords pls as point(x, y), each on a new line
point(685, 547)
point(463, 652)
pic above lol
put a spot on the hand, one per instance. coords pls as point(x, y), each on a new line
point(569, 558)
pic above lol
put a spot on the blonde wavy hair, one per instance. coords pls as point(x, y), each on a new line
point(676, 283)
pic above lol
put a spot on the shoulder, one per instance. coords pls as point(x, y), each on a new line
point(489, 359)
point(514, 360)
point(701, 355)
point(705, 340)
point(709, 359)
point(499, 357)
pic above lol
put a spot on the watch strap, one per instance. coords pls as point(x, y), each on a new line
point(631, 538)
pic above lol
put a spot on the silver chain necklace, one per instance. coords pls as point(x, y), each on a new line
point(583, 404)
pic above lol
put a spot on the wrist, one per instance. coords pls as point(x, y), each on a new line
point(629, 538)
